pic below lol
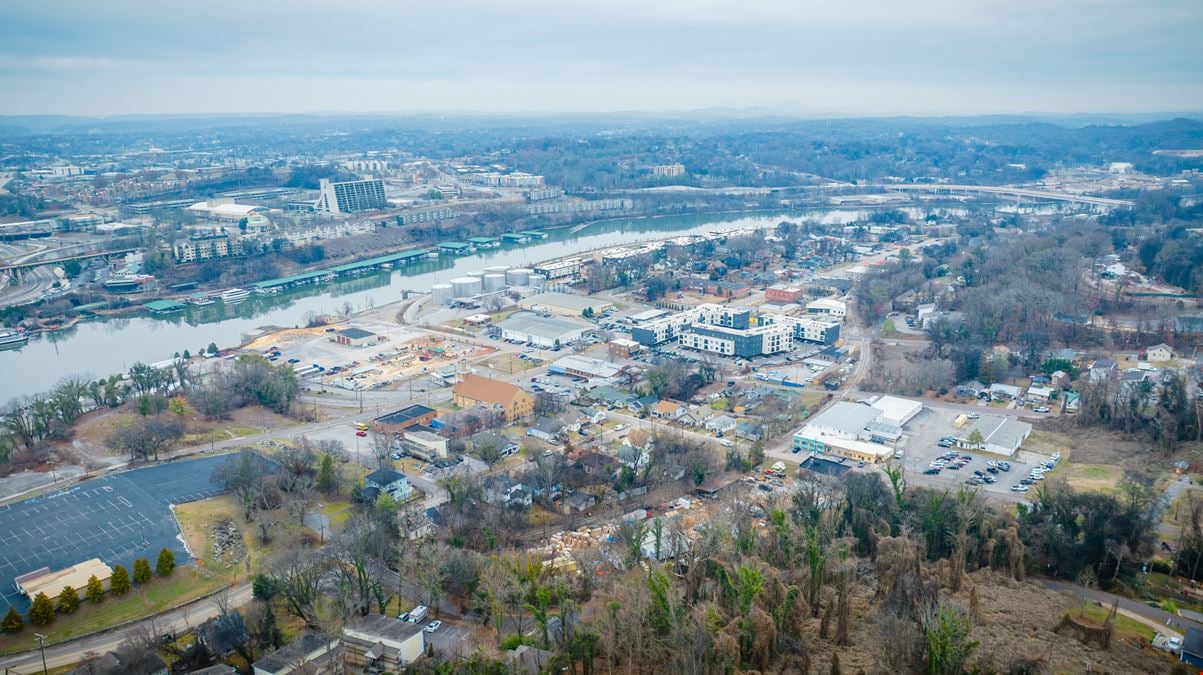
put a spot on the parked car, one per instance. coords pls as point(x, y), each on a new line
point(1020, 488)
point(931, 471)
point(433, 626)
point(361, 433)
point(1041, 409)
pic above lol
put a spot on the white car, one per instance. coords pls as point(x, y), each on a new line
point(433, 626)
point(1019, 488)
point(726, 443)
point(620, 427)
point(1041, 409)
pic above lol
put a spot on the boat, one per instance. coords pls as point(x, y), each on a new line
point(235, 295)
point(12, 339)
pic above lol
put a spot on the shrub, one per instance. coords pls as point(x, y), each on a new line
point(12, 622)
point(95, 590)
point(166, 563)
point(119, 585)
point(512, 641)
point(68, 600)
point(141, 571)
point(41, 612)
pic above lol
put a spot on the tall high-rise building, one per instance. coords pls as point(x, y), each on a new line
point(351, 196)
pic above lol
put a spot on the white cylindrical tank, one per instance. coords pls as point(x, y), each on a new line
point(497, 269)
point(494, 282)
point(519, 276)
point(466, 287)
point(478, 274)
point(536, 281)
point(441, 294)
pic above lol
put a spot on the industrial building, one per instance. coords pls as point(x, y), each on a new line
point(829, 307)
point(355, 337)
point(350, 196)
point(409, 416)
point(999, 435)
point(44, 580)
point(861, 431)
point(583, 367)
point(564, 304)
point(546, 332)
point(735, 332)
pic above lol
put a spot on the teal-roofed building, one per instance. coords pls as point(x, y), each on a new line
point(483, 242)
point(455, 247)
point(164, 306)
point(514, 238)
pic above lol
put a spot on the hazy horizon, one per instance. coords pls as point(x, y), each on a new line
point(872, 59)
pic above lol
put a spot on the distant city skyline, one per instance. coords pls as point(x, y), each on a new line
point(940, 57)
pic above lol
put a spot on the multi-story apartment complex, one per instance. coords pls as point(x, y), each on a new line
point(350, 196)
point(668, 170)
point(201, 247)
point(507, 180)
point(735, 332)
point(368, 166)
point(426, 215)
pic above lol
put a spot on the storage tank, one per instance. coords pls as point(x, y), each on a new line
point(466, 287)
point(536, 281)
point(441, 294)
point(497, 269)
point(519, 276)
point(494, 282)
point(477, 274)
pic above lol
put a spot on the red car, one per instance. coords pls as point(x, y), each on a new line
point(361, 433)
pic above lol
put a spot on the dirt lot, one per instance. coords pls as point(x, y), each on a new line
point(1135, 455)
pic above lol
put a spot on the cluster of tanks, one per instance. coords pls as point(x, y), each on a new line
point(492, 280)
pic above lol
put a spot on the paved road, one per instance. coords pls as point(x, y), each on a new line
point(1156, 614)
point(174, 621)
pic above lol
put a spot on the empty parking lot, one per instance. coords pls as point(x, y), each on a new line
point(118, 519)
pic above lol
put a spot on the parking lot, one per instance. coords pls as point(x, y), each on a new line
point(920, 447)
point(118, 519)
point(451, 641)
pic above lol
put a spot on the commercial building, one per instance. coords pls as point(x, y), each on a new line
point(223, 209)
point(475, 389)
point(350, 196)
point(546, 332)
point(623, 348)
point(44, 580)
point(564, 304)
point(377, 643)
point(735, 332)
point(994, 434)
point(568, 269)
point(583, 367)
point(828, 306)
point(859, 431)
point(668, 170)
point(201, 247)
point(355, 337)
point(424, 444)
point(783, 294)
point(400, 420)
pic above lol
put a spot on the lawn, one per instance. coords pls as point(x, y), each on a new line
point(220, 433)
point(1092, 477)
point(185, 585)
point(1126, 628)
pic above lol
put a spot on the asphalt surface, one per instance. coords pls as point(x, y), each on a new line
point(118, 519)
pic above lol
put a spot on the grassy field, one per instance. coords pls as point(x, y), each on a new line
point(196, 520)
point(185, 585)
point(223, 433)
point(1093, 477)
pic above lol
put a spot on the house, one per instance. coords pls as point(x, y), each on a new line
point(661, 542)
point(546, 428)
point(1041, 394)
point(506, 490)
point(1192, 646)
point(638, 438)
point(748, 431)
point(387, 480)
point(668, 410)
point(474, 389)
point(573, 420)
point(1160, 352)
point(1004, 392)
point(1103, 369)
point(381, 643)
point(527, 659)
point(971, 388)
point(306, 654)
point(141, 662)
point(577, 502)
point(635, 458)
point(593, 415)
point(720, 424)
point(610, 397)
point(492, 439)
point(643, 403)
point(598, 464)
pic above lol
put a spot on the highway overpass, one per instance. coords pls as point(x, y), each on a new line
point(1028, 193)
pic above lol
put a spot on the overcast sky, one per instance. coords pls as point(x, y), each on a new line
point(844, 56)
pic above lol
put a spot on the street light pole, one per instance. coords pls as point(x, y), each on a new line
point(42, 644)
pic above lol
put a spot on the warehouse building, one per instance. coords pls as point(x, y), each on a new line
point(355, 337)
point(583, 367)
point(859, 431)
point(409, 416)
point(546, 332)
point(828, 306)
point(51, 583)
point(999, 435)
point(564, 304)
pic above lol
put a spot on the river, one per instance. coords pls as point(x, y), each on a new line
point(103, 346)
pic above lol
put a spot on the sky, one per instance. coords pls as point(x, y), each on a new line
point(858, 57)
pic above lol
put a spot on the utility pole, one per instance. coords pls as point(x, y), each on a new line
point(42, 644)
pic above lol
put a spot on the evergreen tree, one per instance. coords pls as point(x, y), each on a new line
point(12, 622)
point(95, 590)
point(68, 600)
point(166, 563)
point(141, 571)
point(326, 481)
point(41, 612)
point(119, 585)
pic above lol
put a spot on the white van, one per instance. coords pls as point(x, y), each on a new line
point(416, 615)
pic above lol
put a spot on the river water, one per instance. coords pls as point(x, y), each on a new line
point(103, 346)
